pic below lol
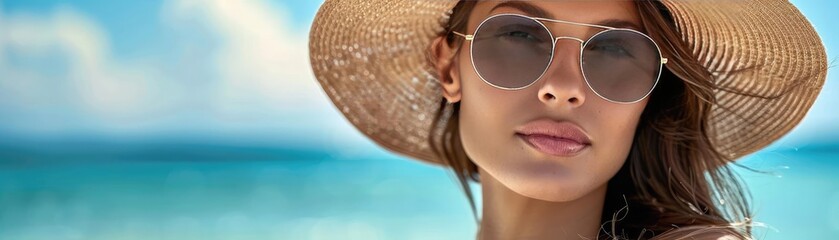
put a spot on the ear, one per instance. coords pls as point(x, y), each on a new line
point(445, 62)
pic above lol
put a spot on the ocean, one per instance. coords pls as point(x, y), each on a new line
point(95, 190)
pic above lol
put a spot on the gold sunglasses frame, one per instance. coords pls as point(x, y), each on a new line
point(583, 44)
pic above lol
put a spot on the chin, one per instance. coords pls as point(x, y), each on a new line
point(552, 186)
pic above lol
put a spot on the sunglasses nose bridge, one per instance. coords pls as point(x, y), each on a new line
point(556, 46)
point(556, 39)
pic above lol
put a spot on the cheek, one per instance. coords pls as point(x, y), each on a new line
point(486, 119)
point(622, 129)
point(616, 135)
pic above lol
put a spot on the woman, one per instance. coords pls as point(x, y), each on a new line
point(580, 119)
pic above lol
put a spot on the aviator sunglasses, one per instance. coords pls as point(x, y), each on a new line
point(512, 51)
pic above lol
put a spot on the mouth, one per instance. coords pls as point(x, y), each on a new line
point(558, 138)
point(552, 145)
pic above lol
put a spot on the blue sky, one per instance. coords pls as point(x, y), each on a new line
point(215, 69)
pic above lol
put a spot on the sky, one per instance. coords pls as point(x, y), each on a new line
point(222, 70)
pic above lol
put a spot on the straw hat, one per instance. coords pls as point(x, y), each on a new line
point(369, 56)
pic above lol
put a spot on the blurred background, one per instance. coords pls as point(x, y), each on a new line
point(190, 119)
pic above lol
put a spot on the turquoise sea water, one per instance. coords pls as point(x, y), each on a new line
point(213, 191)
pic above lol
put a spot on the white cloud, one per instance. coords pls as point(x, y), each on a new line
point(260, 59)
point(260, 81)
point(264, 66)
point(92, 82)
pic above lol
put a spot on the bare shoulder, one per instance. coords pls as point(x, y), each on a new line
point(703, 233)
point(717, 235)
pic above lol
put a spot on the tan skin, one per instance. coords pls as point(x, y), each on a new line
point(528, 194)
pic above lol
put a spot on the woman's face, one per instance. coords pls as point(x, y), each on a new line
point(490, 118)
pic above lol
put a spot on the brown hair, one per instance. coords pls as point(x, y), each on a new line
point(673, 176)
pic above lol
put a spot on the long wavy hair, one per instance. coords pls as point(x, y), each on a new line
point(674, 182)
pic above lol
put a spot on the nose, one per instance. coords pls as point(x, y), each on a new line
point(563, 82)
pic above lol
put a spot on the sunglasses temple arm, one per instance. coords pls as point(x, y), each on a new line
point(468, 37)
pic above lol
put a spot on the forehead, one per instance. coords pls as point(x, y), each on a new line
point(610, 13)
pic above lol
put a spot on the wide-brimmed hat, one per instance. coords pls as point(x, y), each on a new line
point(370, 57)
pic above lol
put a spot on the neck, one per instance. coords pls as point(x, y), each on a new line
point(509, 215)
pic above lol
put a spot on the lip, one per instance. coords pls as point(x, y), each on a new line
point(555, 138)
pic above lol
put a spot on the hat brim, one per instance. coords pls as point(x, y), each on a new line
point(370, 58)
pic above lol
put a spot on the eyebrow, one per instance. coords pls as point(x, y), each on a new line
point(538, 12)
point(532, 10)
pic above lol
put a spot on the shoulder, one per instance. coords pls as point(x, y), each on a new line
point(717, 235)
point(703, 233)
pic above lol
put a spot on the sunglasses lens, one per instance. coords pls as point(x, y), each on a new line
point(511, 51)
point(621, 65)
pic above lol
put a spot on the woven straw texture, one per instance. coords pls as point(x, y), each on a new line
point(369, 56)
